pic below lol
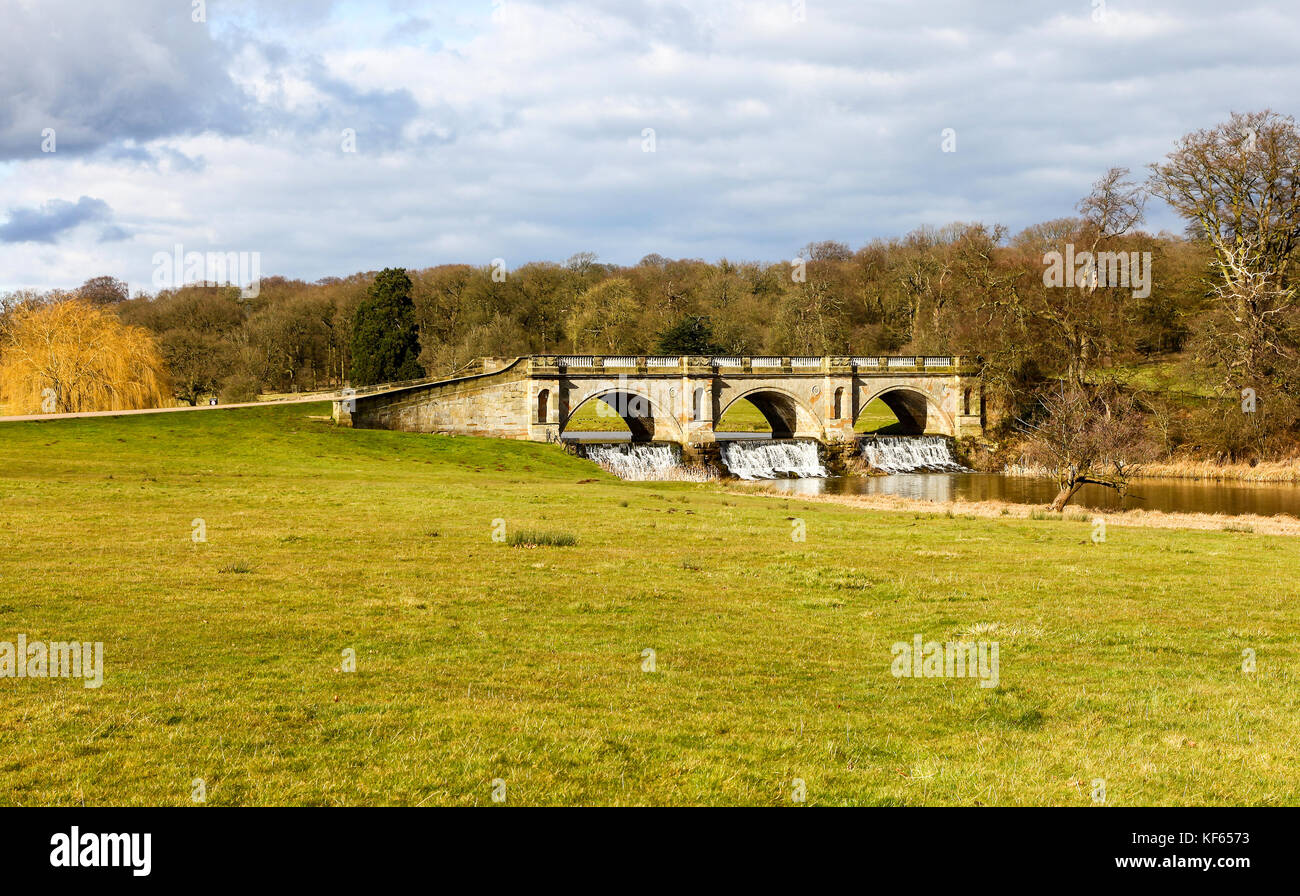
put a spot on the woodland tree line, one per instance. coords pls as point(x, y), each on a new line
point(1220, 312)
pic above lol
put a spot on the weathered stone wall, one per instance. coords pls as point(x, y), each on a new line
point(489, 404)
point(534, 398)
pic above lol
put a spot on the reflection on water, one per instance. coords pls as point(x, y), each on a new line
point(1169, 495)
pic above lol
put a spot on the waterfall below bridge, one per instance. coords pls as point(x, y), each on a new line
point(772, 458)
point(747, 458)
point(766, 458)
point(637, 462)
point(910, 454)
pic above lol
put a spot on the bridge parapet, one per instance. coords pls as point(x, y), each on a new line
point(650, 365)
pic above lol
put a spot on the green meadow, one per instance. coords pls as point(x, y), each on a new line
point(501, 599)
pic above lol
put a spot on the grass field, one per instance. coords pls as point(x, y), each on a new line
point(1169, 376)
point(477, 660)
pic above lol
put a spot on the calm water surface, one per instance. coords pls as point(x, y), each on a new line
point(1169, 495)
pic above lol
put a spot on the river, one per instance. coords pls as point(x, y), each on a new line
point(923, 468)
point(1168, 495)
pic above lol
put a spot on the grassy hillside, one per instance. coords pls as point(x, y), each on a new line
point(1169, 375)
point(477, 660)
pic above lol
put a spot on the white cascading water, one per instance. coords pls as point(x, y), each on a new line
point(637, 462)
point(910, 454)
point(763, 459)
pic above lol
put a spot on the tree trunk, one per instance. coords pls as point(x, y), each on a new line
point(1063, 497)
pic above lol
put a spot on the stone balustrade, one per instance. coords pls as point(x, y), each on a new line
point(668, 364)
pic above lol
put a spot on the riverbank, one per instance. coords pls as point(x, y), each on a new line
point(1264, 471)
point(1146, 519)
point(1267, 471)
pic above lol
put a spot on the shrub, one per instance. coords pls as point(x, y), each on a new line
point(538, 539)
point(240, 388)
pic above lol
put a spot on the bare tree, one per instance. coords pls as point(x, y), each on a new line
point(103, 291)
point(1238, 186)
point(1257, 310)
point(1115, 206)
point(826, 250)
point(1087, 436)
point(1086, 320)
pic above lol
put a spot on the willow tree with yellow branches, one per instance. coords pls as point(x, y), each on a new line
point(70, 356)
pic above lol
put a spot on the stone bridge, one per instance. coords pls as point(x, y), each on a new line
point(679, 399)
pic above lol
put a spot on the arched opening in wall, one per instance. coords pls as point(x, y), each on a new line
point(899, 412)
point(776, 409)
point(965, 402)
point(742, 416)
point(839, 404)
point(543, 405)
point(699, 403)
point(614, 414)
point(877, 418)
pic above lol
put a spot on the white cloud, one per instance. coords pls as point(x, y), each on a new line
point(520, 136)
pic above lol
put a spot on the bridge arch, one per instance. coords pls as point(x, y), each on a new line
point(787, 414)
point(644, 419)
point(916, 411)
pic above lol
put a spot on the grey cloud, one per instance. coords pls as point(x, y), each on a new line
point(411, 30)
point(179, 161)
point(155, 156)
point(113, 234)
point(46, 223)
point(101, 73)
point(380, 115)
point(666, 22)
point(139, 155)
point(113, 79)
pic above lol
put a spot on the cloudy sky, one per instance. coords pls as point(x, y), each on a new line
point(519, 130)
